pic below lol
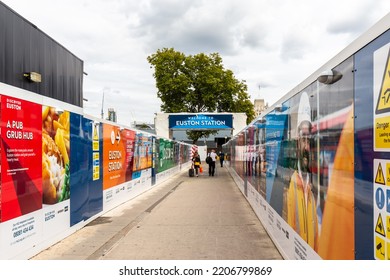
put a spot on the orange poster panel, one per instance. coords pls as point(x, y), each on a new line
point(114, 156)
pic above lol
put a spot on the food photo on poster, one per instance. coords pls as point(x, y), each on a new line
point(55, 155)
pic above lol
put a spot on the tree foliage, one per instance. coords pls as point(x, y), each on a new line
point(198, 83)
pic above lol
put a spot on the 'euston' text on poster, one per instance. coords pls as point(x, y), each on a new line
point(21, 180)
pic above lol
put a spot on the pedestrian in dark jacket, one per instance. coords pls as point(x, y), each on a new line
point(196, 161)
point(221, 156)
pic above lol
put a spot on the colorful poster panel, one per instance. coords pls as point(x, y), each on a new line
point(308, 159)
point(276, 125)
point(313, 184)
point(129, 138)
point(166, 155)
point(55, 170)
point(142, 154)
point(154, 161)
point(21, 149)
point(55, 154)
point(114, 156)
point(255, 175)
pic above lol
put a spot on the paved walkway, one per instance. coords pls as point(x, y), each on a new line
point(199, 218)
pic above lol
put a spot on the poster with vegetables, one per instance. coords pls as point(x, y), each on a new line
point(55, 155)
point(21, 181)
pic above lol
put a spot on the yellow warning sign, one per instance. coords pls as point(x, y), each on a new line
point(382, 135)
point(383, 103)
point(388, 250)
point(380, 249)
point(388, 174)
point(95, 145)
point(380, 178)
point(96, 174)
point(96, 166)
point(380, 228)
point(388, 226)
point(95, 132)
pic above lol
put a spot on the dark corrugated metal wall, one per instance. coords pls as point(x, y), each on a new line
point(24, 48)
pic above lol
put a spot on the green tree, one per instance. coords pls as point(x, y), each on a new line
point(198, 83)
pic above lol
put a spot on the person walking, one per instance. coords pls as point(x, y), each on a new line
point(196, 161)
point(221, 156)
point(213, 157)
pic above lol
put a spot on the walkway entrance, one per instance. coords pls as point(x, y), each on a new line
point(198, 218)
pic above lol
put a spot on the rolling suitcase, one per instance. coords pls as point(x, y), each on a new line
point(191, 172)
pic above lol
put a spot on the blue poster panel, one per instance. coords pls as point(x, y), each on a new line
point(274, 132)
point(371, 86)
point(86, 186)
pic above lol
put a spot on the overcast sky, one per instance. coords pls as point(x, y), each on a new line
point(271, 44)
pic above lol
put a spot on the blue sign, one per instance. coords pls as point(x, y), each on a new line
point(388, 201)
point(201, 121)
point(275, 126)
point(380, 198)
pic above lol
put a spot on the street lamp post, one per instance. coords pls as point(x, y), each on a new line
point(102, 112)
point(104, 91)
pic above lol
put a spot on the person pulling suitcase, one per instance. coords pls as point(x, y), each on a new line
point(196, 163)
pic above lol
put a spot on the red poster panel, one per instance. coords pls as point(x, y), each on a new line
point(129, 138)
point(21, 153)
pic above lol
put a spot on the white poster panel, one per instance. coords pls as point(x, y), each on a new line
point(19, 234)
point(289, 243)
point(56, 218)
